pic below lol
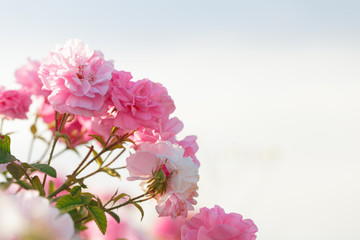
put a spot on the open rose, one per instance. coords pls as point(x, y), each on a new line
point(78, 78)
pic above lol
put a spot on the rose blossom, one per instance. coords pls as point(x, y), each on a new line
point(215, 224)
point(78, 129)
point(78, 78)
point(14, 103)
point(166, 130)
point(191, 147)
point(25, 215)
point(168, 229)
point(141, 103)
point(175, 196)
point(28, 77)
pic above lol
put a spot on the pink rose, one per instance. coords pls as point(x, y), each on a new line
point(28, 77)
point(168, 229)
point(175, 197)
point(142, 103)
point(78, 129)
point(78, 78)
point(166, 130)
point(14, 103)
point(191, 147)
point(214, 223)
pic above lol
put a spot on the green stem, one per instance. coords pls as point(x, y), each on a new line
point(67, 184)
point(31, 148)
point(80, 220)
point(44, 153)
point(51, 155)
point(126, 203)
point(93, 159)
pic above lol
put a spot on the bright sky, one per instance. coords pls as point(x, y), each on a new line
point(271, 89)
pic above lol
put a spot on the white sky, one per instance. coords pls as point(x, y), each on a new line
point(271, 89)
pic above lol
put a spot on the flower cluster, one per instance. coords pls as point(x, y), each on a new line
point(83, 99)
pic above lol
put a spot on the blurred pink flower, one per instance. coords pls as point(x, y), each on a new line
point(28, 77)
point(26, 215)
point(214, 223)
point(141, 103)
point(191, 147)
point(78, 78)
point(168, 229)
point(78, 129)
point(181, 183)
point(114, 231)
point(14, 103)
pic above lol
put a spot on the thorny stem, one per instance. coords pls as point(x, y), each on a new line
point(51, 155)
point(86, 165)
point(100, 169)
point(83, 161)
point(127, 202)
point(67, 184)
point(58, 128)
point(31, 148)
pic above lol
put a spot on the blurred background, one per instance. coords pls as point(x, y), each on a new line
point(271, 89)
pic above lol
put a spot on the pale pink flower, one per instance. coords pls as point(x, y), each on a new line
point(26, 215)
point(141, 103)
point(166, 130)
point(103, 125)
point(181, 175)
point(28, 77)
point(78, 129)
point(191, 147)
point(168, 229)
point(14, 103)
point(215, 224)
point(114, 231)
point(78, 78)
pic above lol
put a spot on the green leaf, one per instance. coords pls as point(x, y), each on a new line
point(115, 146)
point(86, 197)
point(45, 169)
point(115, 216)
point(129, 140)
point(63, 136)
point(98, 160)
point(38, 186)
point(80, 181)
point(6, 157)
point(120, 196)
point(111, 172)
point(15, 170)
point(67, 203)
point(26, 165)
point(24, 184)
point(75, 191)
point(99, 217)
point(76, 215)
point(99, 139)
point(51, 187)
point(140, 209)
